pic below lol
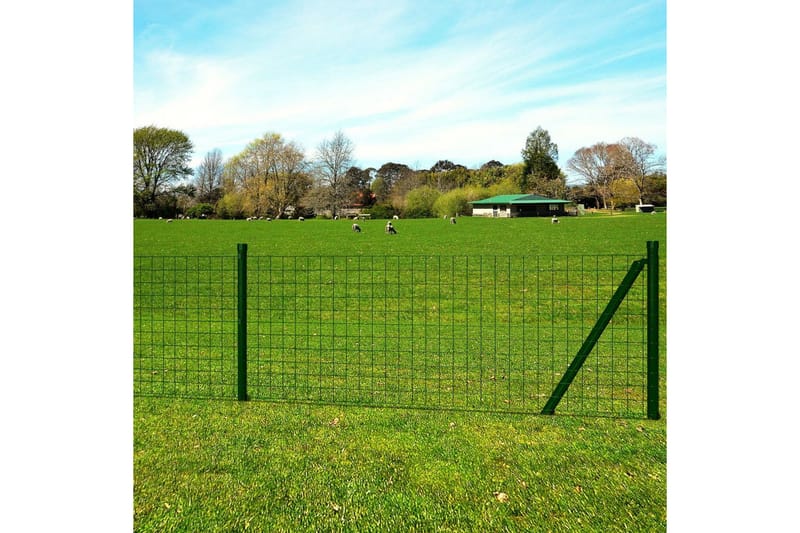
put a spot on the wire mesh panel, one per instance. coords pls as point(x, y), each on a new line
point(184, 326)
point(446, 332)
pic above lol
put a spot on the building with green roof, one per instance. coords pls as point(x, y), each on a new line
point(518, 205)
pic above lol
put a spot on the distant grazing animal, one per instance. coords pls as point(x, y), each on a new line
point(395, 217)
point(452, 220)
point(169, 220)
point(390, 229)
point(356, 228)
point(554, 220)
point(301, 219)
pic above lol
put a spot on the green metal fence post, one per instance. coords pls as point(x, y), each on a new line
point(241, 315)
point(652, 330)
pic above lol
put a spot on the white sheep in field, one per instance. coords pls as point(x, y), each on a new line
point(301, 219)
point(554, 220)
point(169, 220)
point(395, 217)
point(452, 220)
point(356, 228)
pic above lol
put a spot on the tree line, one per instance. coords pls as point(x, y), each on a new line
point(273, 177)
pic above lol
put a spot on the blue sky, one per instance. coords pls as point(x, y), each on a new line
point(407, 81)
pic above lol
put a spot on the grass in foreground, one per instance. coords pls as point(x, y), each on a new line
point(224, 466)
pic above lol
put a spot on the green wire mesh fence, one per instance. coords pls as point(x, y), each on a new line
point(430, 332)
point(184, 326)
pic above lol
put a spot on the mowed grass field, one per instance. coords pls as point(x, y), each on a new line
point(590, 234)
point(202, 465)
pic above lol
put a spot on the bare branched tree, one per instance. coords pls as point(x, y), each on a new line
point(208, 177)
point(333, 159)
point(641, 162)
point(595, 165)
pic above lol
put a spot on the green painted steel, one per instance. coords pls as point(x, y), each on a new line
point(652, 330)
point(241, 329)
point(602, 322)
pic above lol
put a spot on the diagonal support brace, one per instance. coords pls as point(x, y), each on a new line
point(591, 340)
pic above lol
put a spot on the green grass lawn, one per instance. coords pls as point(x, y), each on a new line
point(211, 465)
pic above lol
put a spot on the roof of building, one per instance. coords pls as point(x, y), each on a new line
point(518, 199)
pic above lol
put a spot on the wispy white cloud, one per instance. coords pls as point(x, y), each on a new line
point(408, 82)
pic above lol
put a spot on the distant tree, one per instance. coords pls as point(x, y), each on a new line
point(641, 162)
point(443, 165)
point(208, 177)
point(507, 185)
point(160, 158)
point(185, 195)
point(599, 165)
point(380, 189)
point(656, 191)
point(405, 184)
point(317, 199)
point(583, 194)
point(539, 157)
point(491, 164)
point(333, 159)
point(446, 175)
point(489, 173)
point(513, 174)
point(386, 177)
point(624, 193)
point(550, 188)
point(360, 181)
point(269, 176)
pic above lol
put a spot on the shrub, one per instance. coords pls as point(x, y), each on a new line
point(230, 206)
point(381, 211)
point(200, 211)
point(419, 202)
point(455, 202)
